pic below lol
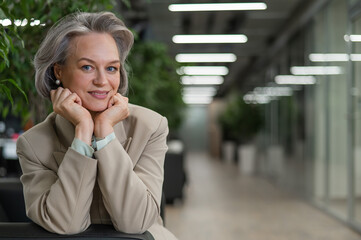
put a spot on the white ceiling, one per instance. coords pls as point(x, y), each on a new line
point(261, 27)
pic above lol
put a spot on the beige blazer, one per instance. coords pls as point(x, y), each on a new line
point(122, 185)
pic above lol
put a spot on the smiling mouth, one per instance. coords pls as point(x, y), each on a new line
point(99, 94)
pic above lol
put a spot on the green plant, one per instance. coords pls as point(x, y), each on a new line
point(153, 82)
point(153, 79)
point(240, 121)
point(6, 45)
point(22, 50)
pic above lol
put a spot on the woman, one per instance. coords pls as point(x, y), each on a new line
point(95, 159)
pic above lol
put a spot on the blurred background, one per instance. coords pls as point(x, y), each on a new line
point(263, 100)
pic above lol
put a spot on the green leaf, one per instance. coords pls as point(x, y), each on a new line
point(127, 3)
point(7, 91)
point(16, 85)
point(2, 14)
point(9, 41)
point(3, 55)
point(5, 111)
point(2, 66)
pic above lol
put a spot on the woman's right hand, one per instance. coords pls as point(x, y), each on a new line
point(69, 106)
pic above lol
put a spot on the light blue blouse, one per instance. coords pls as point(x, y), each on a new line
point(97, 144)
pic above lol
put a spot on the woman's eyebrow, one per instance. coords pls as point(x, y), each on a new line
point(92, 61)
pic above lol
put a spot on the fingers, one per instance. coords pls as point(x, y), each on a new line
point(118, 105)
point(59, 95)
point(119, 99)
point(63, 99)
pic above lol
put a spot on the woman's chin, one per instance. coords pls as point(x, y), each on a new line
point(97, 109)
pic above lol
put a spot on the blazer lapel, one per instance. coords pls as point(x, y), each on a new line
point(126, 144)
point(59, 156)
point(65, 131)
point(121, 135)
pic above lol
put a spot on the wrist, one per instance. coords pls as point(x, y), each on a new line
point(84, 132)
point(101, 130)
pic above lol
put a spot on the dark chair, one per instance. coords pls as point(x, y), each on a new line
point(15, 224)
point(96, 231)
point(174, 172)
point(12, 205)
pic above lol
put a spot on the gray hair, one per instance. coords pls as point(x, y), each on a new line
point(54, 48)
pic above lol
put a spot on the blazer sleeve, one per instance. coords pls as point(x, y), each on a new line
point(132, 195)
point(59, 201)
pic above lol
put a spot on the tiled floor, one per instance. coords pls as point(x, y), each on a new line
point(222, 204)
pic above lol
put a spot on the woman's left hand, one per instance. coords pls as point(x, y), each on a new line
point(117, 111)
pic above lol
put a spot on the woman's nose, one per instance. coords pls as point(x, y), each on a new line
point(100, 78)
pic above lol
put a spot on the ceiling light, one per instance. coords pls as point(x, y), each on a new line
point(292, 79)
point(204, 94)
point(352, 38)
point(251, 98)
point(206, 57)
point(199, 90)
point(17, 22)
point(203, 70)
point(328, 57)
point(202, 80)
point(216, 7)
point(210, 38)
point(273, 91)
point(334, 57)
point(263, 95)
point(210, 92)
point(355, 57)
point(316, 70)
point(5, 22)
point(197, 100)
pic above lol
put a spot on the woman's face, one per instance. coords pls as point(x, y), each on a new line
point(91, 70)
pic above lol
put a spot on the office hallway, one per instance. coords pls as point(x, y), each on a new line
point(220, 203)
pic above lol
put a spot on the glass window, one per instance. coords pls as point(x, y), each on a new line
point(320, 101)
point(337, 111)
point(356, 93)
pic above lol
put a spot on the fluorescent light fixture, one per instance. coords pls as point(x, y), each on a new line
point(251, 98)
point(210, 38)
point(292, 79)
point(334, 57)
point(352, 38)
point(197, 100)
point(199, 91)
point(263, 95)
point(328, 57)
point(203, 70)
point(202, 80)
point(17, 22)
point(273, 91)
point(204, 94)
point(355, 57)
point(216, 7)
point(5, 22)
point(205, 57)
point(316, 70)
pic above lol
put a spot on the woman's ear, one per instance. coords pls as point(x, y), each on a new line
point(57, 70)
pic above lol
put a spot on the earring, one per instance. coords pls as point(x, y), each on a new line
point(57, 82)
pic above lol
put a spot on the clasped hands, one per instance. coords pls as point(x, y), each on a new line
point(69, 106)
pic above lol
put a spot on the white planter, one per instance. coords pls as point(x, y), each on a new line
point(247, 158)
point(228, 151)
point(275, 160)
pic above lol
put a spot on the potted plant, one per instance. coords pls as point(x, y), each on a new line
point(154, 83)
point(240, 123)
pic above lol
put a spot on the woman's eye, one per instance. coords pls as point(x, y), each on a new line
point(112, 69)
point(86, 67)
